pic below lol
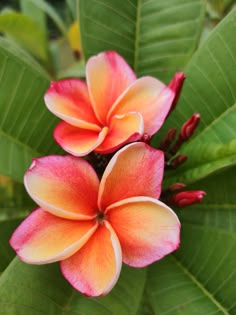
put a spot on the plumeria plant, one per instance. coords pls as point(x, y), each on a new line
point(123, 172)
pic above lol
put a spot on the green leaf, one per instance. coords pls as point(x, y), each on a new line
point(210, 86)
point(15, 202)
point(76, 70)
point(204, 159)
point(6, 252)
point(200, 278)
point(43, 290)
point(26, 33)
point(210, 89)
point(26, 126)
point(73, 7)
point(156, 37)
point(45, 7)
point(30, 8)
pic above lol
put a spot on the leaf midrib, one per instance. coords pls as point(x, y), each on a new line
point(18, 142)
point(200, 286)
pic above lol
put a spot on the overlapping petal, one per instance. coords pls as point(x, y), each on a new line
point(112, 92)
point(63, 185)
point(44, 238)
point(95, 268)
point(147, 229)
point(69, 100)
point(135, 170)
point(108, 75)
point(148, 96)
point(122, 129)
point(77, 141)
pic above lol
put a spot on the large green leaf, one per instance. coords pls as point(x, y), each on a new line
point(155, 37)
point(6, 252)
point(26, 126)
point(200, 278)
point(210, 89)
point(26, 289)
point(204, 159)
point(15, 204)
point(26, 32)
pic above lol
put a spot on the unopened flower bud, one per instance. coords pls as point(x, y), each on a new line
point(176, 86)
point(168, 139)
point(189, 127)
point(176, 186)
point(166, 193)
point(187, 198)
point(178, 160)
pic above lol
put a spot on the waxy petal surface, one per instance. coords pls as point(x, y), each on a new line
point(148, 96)
point(108, 75)
point(77, 141)
point(63, 185)
point(135, 170)
point(44, 238)
point(147, 229)
point(122, 129)
point(69, 100)
point(95, 268)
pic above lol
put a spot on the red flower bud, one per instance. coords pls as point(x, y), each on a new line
point(176, 186)
point(168, 139)
point(187, 198)
point(176, 86)
point(189, 127)
point(178, 160)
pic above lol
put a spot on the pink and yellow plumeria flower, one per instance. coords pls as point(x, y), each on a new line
point(112, 109)
point(92, 227)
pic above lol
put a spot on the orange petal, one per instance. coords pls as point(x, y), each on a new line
point(77, 141)
point(95, 268)
point(69, 100)
point(108, 75)
point(63, 185)
point(147, 229)
point(135, 170)
point(123, 129)
point(148, 96)
point(44, 238)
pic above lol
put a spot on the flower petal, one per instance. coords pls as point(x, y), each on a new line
point(135, 170)
point(69, 100)
point(95, 268)
point(63, 185)
point(44, 238)
point(123, 129)
point(148, 96)
point(77, 141)
point(147, 229)
point(108, 75)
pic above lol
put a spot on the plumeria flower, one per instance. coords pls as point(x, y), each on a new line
point(112, 109)
point(91, 227)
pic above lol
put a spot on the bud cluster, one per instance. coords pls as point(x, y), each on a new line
point(171, 144)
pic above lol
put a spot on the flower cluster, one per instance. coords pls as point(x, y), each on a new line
point(92, 225)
